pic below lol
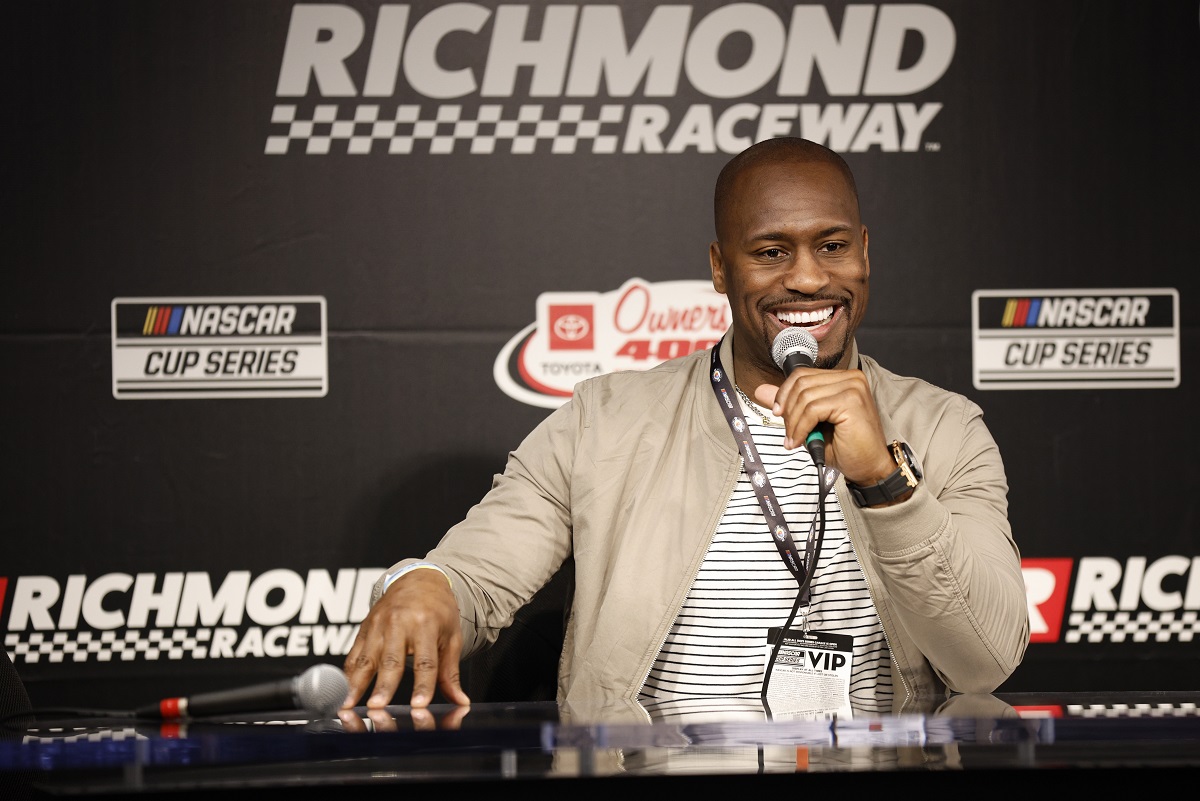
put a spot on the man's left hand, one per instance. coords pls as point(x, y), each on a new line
point(841, 398)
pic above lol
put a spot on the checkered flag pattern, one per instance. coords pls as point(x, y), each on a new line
point(107, 646)
point(62, 735)
point(1185, 710)
point(1132, 626)
point(399, 134)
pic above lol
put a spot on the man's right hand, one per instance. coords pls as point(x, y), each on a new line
point(417, 616)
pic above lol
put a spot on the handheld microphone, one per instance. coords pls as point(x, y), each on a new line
point(320, 690)
point(795, 347)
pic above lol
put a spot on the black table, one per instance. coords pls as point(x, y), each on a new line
point(1014, 741)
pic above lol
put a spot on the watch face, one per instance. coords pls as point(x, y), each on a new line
point(912, 461)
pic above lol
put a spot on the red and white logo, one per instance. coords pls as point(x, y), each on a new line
point(1046, 584)
point(579, 335)
point(571, 327)
point(1100, 598)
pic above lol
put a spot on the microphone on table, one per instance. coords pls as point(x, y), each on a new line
point(796, 347)
point(320, 690)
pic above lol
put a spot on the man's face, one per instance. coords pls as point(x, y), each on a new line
point(791, 250)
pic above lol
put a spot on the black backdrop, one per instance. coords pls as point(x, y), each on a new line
point(149, 165)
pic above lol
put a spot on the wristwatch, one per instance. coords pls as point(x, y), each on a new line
point(905, 478)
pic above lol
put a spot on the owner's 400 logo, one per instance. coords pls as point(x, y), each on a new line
point(578, 335)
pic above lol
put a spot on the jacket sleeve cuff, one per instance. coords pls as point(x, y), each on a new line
point(904, 525)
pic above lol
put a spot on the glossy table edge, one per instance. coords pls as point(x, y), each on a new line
point(1044, 730)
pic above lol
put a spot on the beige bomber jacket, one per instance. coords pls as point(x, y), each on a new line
point(632, 475)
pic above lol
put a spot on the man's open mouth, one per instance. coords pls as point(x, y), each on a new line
point(807, 319)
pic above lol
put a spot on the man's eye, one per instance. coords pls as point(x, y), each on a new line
point(772, 253)
point(832, 247)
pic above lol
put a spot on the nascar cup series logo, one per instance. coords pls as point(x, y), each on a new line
point(605, 78)
point(1076, 338)
point(579, 335)
point(219, 347)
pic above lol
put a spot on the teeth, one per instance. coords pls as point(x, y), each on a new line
point(806, 318)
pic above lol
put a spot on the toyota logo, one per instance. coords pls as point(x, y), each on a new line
point(571, 327)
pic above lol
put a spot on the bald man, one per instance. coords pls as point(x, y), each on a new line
point(711, 551)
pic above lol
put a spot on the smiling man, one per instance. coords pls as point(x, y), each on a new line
point(713, 557)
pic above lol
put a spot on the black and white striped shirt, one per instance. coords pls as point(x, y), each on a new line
point(717, 646)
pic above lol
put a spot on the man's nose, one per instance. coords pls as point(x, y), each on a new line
point(805, 275)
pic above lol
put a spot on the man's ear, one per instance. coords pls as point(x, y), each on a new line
point(866, 257)
point(718, 267)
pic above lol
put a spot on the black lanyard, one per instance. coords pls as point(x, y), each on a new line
point(781, 535)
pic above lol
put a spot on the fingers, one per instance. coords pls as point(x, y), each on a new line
point(380, 721)
point(417, 617)
point(390, 669)
point(359, 666)
point(453, 719)
point(810, 396)
point(436, 665)
point(842, 399)
point(384, 722)
point(351, 722)
point(374, 656)
point(766, 394)
point(424, 670)
point(357, 670)
point(423, 719)
point(448, 677)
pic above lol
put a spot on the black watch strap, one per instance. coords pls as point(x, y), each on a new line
point(903, 479)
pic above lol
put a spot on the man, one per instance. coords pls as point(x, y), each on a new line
point(908, 568)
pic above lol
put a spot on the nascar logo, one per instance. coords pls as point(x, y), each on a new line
point(219, 347)
point(1076, 338)
point(1067, 312)
point(244, 319)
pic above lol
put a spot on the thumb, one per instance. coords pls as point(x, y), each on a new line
point(765, 394)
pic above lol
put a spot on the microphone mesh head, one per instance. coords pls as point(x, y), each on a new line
point(321, 689)
point(790, 340)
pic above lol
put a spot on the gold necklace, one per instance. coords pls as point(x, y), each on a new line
point(766, 419)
